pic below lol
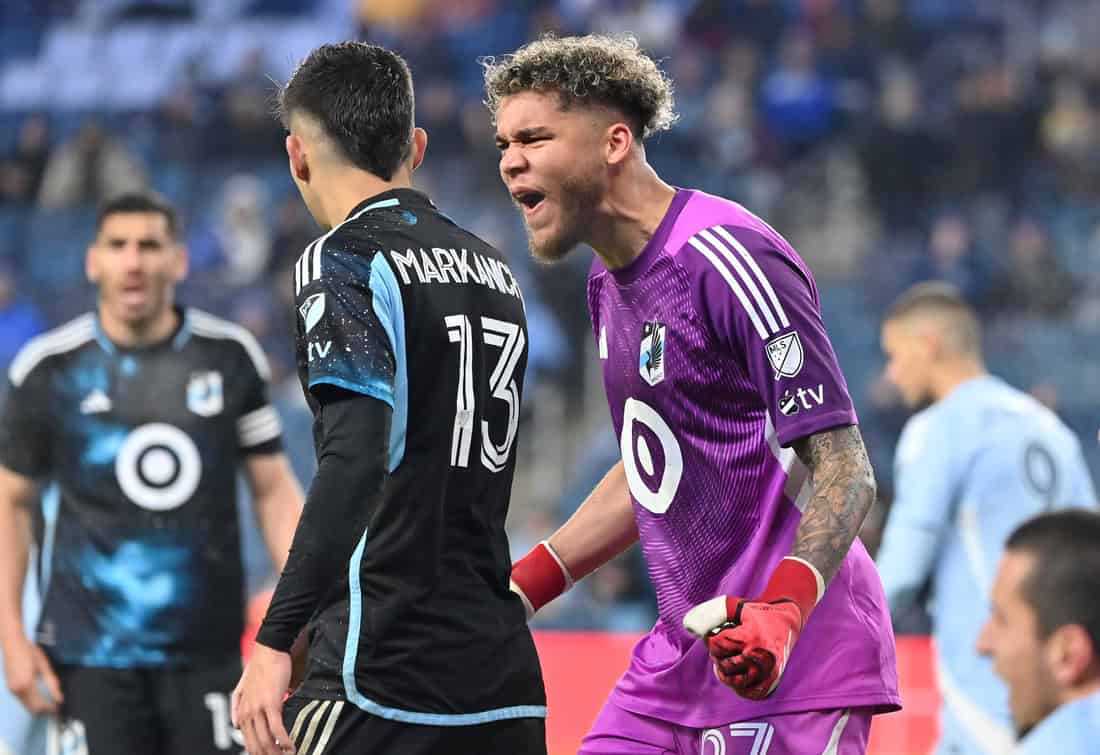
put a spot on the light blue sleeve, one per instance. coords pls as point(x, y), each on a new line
point(21, 733)
point(1082, 492)
point(926, 472)
point(344, 327)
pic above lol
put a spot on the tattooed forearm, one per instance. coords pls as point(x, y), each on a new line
point(844, 490)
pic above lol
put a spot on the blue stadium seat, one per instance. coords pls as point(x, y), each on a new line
point(13, 222)
point(56, 240)
point(19, 39)
point(278, 7)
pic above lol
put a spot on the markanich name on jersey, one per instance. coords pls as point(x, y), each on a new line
point(437, 265)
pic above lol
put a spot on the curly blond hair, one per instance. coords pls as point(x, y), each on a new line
point(595, 69)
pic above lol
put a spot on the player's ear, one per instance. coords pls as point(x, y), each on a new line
point(419, 146)
point(299, 163)
point(620, 140)
point(1070, 654)
point(183, 262)
point(931, 343)
point(91, 264)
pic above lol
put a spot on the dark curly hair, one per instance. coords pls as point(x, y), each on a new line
point(594, 69)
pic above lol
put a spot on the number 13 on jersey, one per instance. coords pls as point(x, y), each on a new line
point(509, 338)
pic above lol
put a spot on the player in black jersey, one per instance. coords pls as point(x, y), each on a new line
point(411, 347)
point(135, 421)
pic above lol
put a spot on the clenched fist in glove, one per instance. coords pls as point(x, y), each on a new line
point(751, 640)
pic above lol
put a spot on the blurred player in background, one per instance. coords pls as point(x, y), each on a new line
point(136, 419)
point(412, 347)
point(1044, 632)
point(970, 467)
point(743, 471)
point(20, 730)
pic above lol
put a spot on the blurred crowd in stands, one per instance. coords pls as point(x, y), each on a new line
point(891, 141)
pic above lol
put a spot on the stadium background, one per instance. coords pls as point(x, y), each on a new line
point(891, 141)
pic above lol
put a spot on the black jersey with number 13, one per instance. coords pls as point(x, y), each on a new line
point(399, 303)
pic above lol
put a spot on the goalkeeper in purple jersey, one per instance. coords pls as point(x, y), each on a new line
point(743, 472)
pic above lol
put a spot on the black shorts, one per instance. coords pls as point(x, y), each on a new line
point(140, 711)
point(337, 727)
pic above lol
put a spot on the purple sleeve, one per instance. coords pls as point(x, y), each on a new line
point(762, 305)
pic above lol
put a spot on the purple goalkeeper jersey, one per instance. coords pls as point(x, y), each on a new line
point(715, 360)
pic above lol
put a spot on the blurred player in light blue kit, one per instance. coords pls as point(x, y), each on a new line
point(979, 460)
point(20, 732)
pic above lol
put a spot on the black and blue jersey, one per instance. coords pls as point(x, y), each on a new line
point(400, 304)
point(138, 452)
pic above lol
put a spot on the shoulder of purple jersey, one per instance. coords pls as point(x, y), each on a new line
point(708, 214)
point(741, 268)
point(745, 258)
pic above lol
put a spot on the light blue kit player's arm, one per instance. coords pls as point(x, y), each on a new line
point(927, 471)
point(1082, 492)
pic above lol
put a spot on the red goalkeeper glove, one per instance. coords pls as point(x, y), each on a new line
point(751, 640)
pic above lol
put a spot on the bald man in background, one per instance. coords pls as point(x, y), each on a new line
point(976, 460)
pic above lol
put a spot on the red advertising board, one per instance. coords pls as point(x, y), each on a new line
point(580, 669)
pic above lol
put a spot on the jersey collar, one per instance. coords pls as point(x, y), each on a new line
point(1051, 733)
point(391, 198)
point(177, 339)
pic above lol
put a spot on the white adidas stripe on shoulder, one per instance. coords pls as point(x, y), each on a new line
point(704, 250)
point(308, 267)
point(303, 268)
point(57, 341)
point(209, 326)
point(745, 278)
point(755, 267)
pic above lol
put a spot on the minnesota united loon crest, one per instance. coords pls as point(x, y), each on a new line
point(651, 363)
